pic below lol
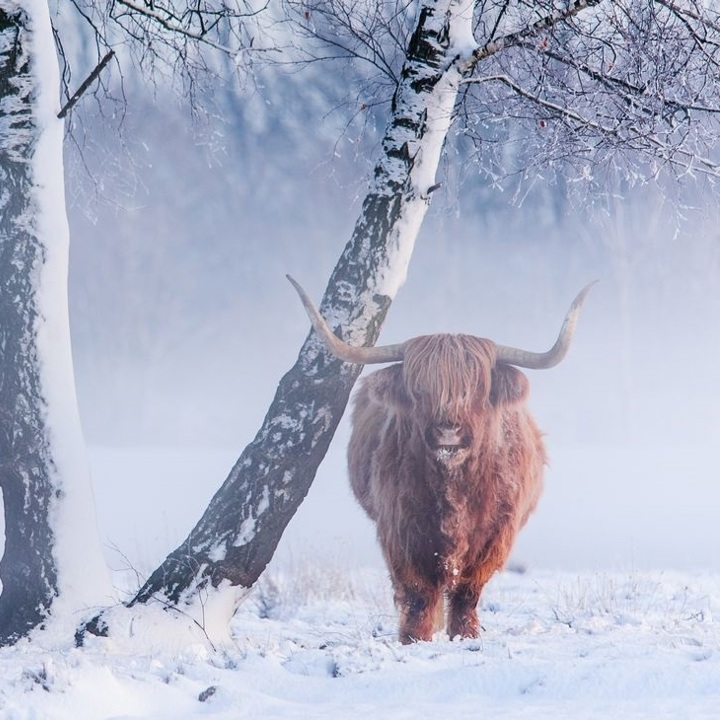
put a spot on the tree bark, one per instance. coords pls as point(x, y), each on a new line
point(27, 569)
point(45, 485)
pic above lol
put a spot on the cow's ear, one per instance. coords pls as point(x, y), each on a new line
point(509, 385)
point(386, 387)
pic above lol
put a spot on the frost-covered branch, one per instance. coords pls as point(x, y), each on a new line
point(183, 41)
point(635, 80)
point(544, 24)
point(638, 82)
point(701, 16)
point(677, 156)
point(634, 96)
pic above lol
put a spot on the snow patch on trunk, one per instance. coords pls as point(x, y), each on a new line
point(248, 526)
point(83, 579)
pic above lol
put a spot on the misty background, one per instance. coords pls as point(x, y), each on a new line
point(183, 228)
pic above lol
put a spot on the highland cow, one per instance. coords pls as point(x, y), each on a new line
point(446, 459)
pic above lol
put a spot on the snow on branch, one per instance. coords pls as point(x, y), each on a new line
point(685, 12)
point(674, 155)
point(543, 24)
point(638, 83)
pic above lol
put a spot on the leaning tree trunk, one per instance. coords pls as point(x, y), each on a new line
point(231, 545)
point(52, 553)
point(236, 537)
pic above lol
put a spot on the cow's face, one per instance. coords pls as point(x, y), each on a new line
point(451, 390)
point(447, 380)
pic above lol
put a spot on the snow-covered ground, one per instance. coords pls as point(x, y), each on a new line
point(319, 642)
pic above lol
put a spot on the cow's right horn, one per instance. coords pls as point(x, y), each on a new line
point(555, 355)
point(338, 347)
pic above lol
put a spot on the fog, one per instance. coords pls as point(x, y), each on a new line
point(183, 323)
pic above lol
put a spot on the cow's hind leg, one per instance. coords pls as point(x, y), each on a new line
point(419, 608)
point(462, 611)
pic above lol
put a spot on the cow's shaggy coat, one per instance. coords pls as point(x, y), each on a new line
point(446, 459)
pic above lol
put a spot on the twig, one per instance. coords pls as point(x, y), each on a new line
point(70, 104)
point(689, 13)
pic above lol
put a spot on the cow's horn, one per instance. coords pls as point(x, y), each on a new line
point(542, 361)
point(339, 348)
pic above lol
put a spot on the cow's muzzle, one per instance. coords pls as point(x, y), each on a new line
point(446, 441)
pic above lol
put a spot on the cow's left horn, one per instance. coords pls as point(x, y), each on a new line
point(542, 361)
point(338, 347)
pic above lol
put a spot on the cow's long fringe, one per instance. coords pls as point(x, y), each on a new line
point(451, 374)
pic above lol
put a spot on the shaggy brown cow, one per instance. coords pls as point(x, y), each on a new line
point(446, 459)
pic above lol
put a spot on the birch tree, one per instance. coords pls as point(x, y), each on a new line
point(52, 552)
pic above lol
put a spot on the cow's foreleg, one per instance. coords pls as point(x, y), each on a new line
point(418, 607)
point(464, 597)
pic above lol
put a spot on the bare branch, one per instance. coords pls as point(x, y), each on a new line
point(70, 104)
point(199, 25)
point(374, 33)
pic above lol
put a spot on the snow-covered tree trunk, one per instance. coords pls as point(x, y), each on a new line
point(52, 564)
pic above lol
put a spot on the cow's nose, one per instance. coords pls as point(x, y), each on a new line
point(447, 434)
